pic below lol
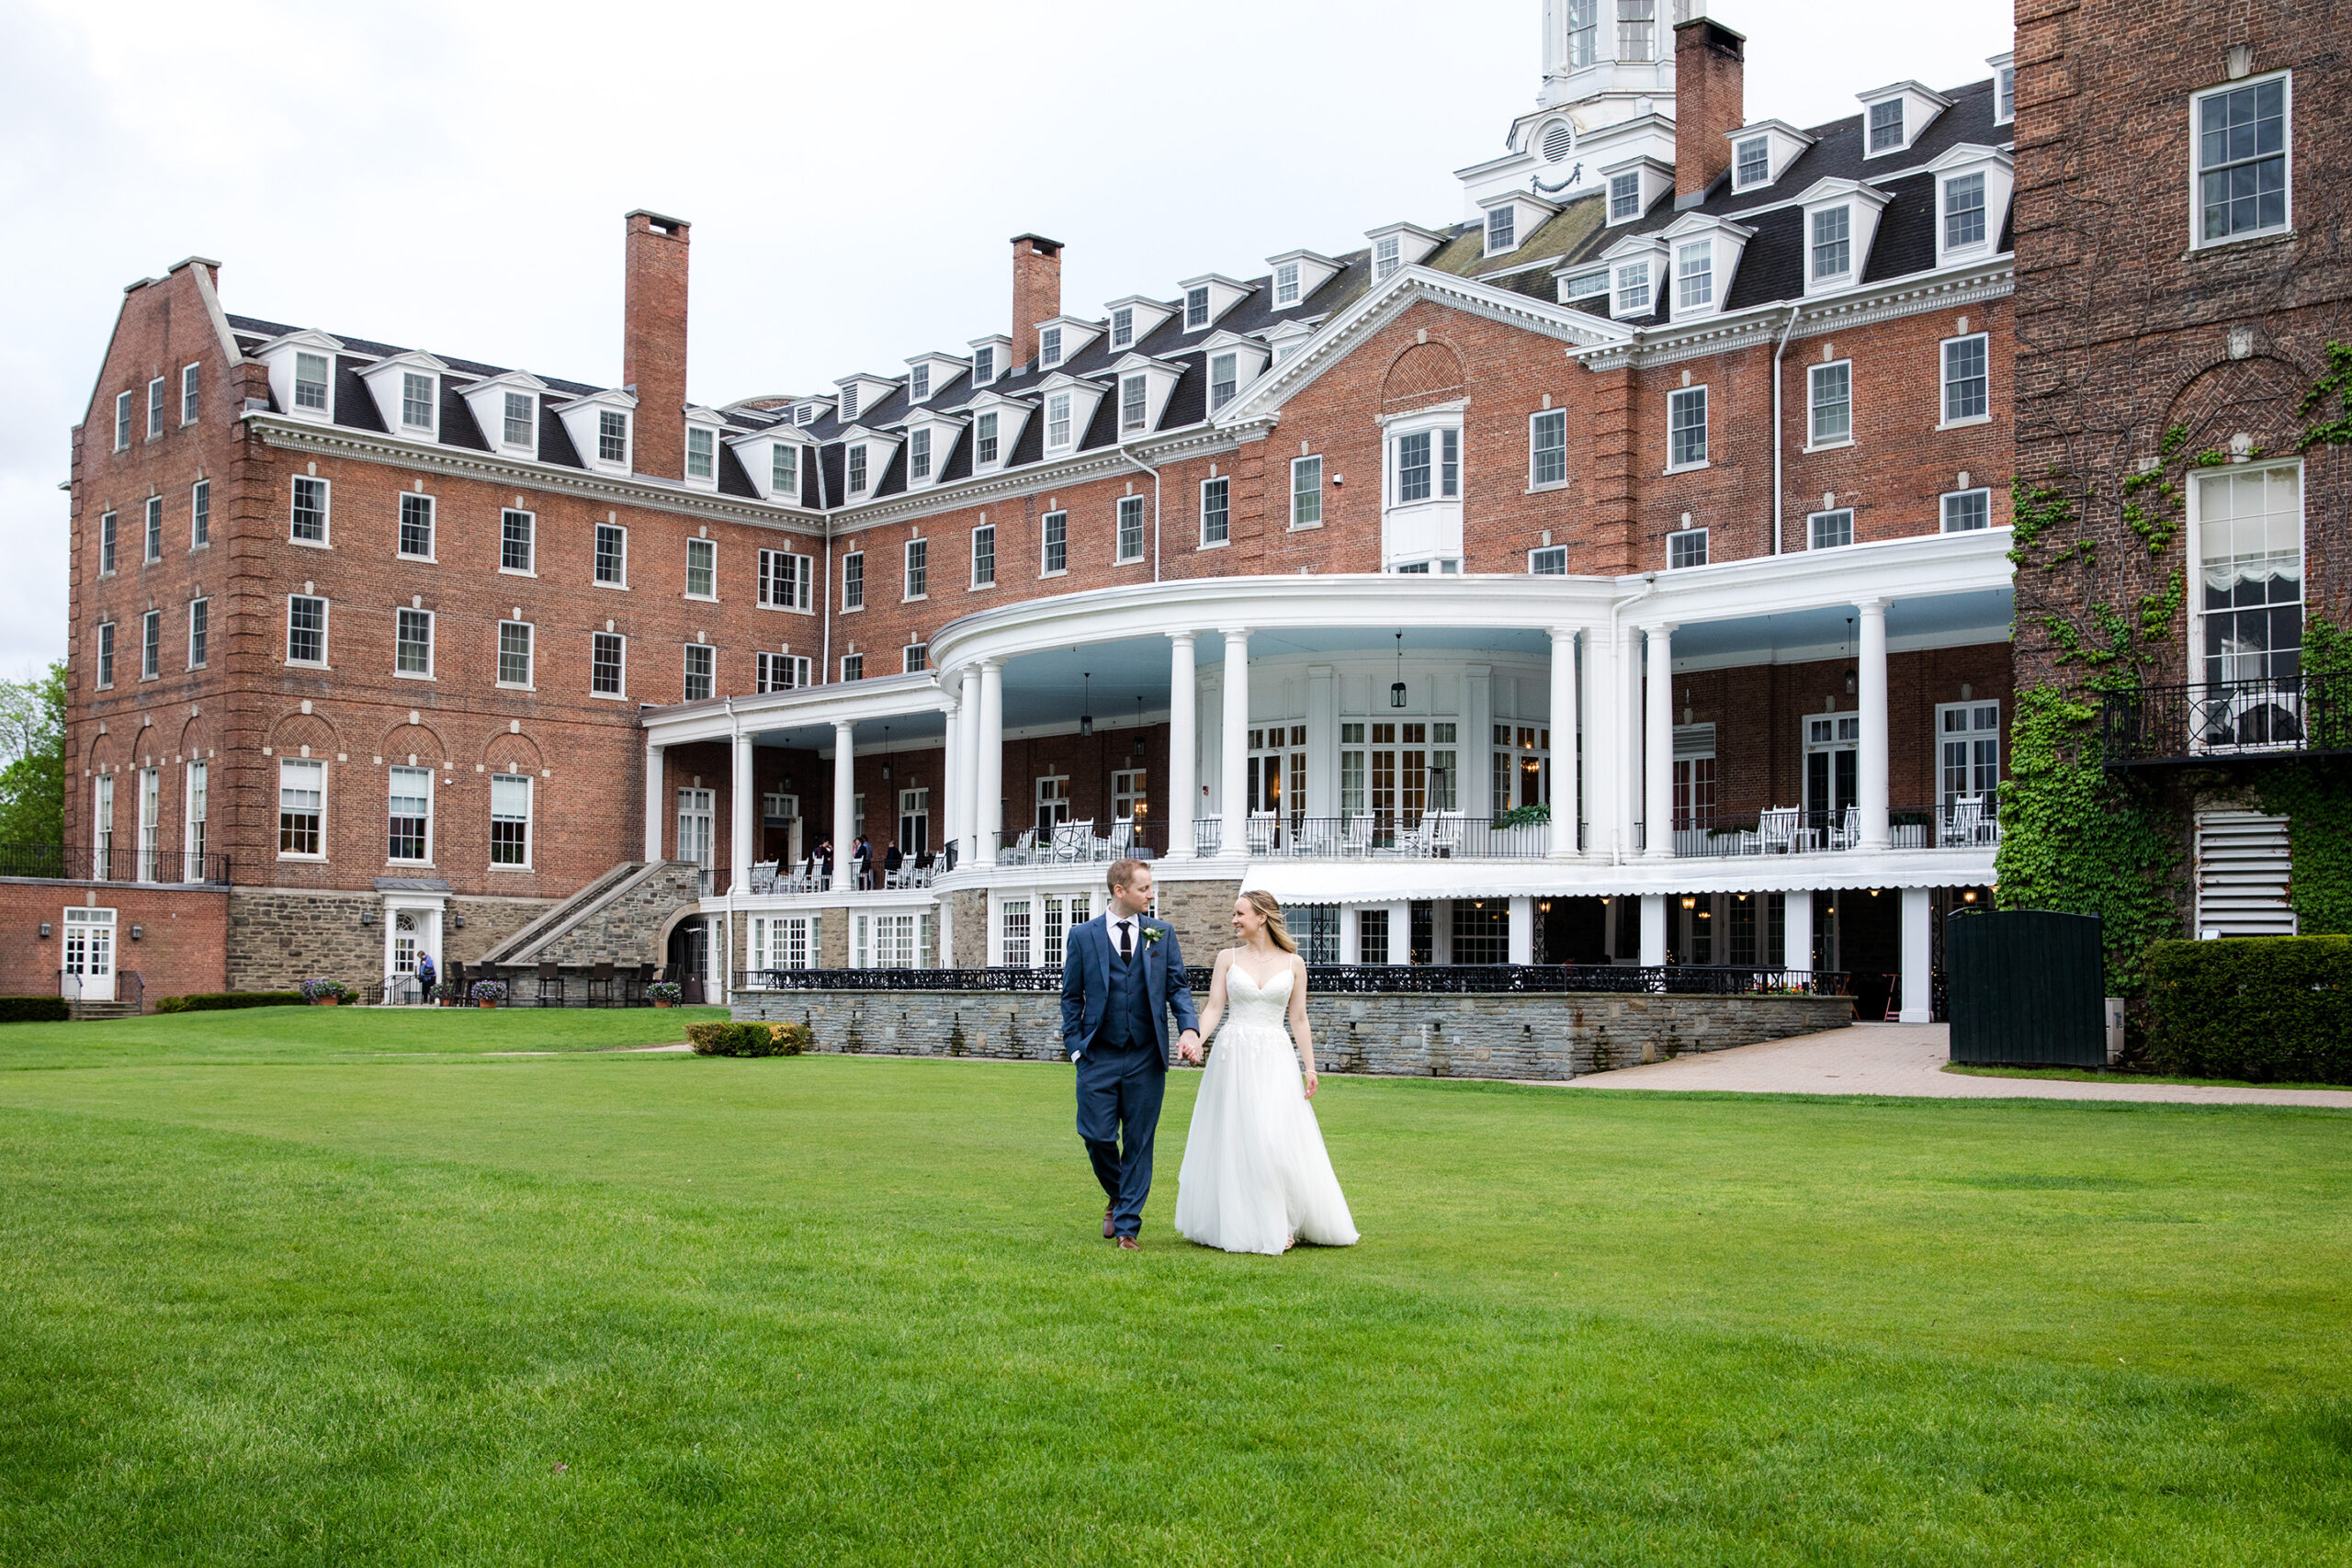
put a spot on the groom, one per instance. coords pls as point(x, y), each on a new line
point(1121, 975)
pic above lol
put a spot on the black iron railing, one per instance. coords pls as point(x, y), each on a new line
point(117, 862)
point(127, 987)
point(1355, 979)
point(2277, 715)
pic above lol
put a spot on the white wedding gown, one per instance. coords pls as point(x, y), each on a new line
point(1256, 1177)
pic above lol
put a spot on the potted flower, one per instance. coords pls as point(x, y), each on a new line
point(325, 993)
point(664, 993)
point(489, 993)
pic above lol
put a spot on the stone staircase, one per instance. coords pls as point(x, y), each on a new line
point(619, 916)
point(81, 1012)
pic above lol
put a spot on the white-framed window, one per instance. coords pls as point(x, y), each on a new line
point(1686, 547)
point(1964, 210)
point(1286, 284)
point(1388, 256)
point(983, 365)
point(416, 526)
point(310, 380)
point(1694, 275)
point(852, 667)
point(1547, 449)
point(612, 556)
point(853, 580)
point(1886, 126)
point(1130, 529)
point(301, 807)
point(197, 807)
point(784, 941)
point(1966, 511)
point(515, 645)
point(1130, 794)
point(106, 654)
point(200, 515)
point(150, 645)
point(1551, 560)
point(1217, 510)
point(1224, 379)
point(607, 665)
point(890, 941)
point(1966, 378)
point(612, 436)
point(1132, 403)
point(189, 403)
point(1686, 423)
point(2243, 160)
point(1625, 196)
point(1633, 296)
point(918, 569)
point(1307, 492)
point(122, 422)
point(1968, 752)
point(1123, 326)
point(308, 525)
point(1830, 530)
point(1503, 229)
point(518, 541)
point(702, 672)
point(1637, 29)
point(2005, 95)
point(984, 439)
point(1061, 917)
point(857, 478)
point(1751, 161)
point(105, 543)
point(701, 452)
point(919, 453)
point(1054, 555)
point(1832, 249)
point(417, 399)
point(413, 643)
point(154, 528)
point(306, 629)
point(702, 568)
point(917, 383)
point(2247, 523)
point(1415, 478)
point(409, 817)
point(1197, 308)
point(199, 633)
point(1829, 402)
point(783, 472)
point(102, 825)
point(1058, 427)
point(1584, 29)
point(1587, 284)
point(519, 421)
point(789, 581)
point(984, 556)
point(510, 820)
point(1012, 931)
point(914, 659)
point(1049, 347)
point(781, 671)
point(155, 408)
point(1053, 803)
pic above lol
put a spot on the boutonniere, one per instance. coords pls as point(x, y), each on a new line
point(1151, 935)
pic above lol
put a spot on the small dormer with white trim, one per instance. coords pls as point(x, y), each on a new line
point(407, 390)
point(1396, 246)
point(1632, 186)
point(506, 407)
point(1206, 298)
point(808, 411)
point(1761, 154)
point(1286, 337)
point(998, 420)
point(1061, 339)
point(1584, 284)
point(931, 439)
point(1894, 117)
point(1066, 403)
point(865, 457)
point(1133, 319)
point(991, 359)
point(1703, 256)
point(778, 460)
point(1144, 385)
point(928, 373)
point(1972, 184)
point(1295, 275)
point(2005, 87)
point(1637, 266)
point(861, 392)
point(1840, 221)
point(1233, 361)
point(706, 428)
point(301, 373)
point(603, 428)
point(1510, 218)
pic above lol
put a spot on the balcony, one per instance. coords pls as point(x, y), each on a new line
point(2276, 716)
point(1967, 822)
point(1376, 835)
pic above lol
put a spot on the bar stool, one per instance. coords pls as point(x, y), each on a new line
point(551, 983)
point(600, 983)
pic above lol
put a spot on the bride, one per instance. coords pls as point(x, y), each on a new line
point(1256, 1177)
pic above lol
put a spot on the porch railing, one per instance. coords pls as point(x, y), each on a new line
point(116, 863)
point(1355, 979)
point(1377, 835)
point(128, 986)
point(2274, 715)
point(1965, 823)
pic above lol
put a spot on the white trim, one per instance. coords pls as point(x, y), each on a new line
point(2196, 203)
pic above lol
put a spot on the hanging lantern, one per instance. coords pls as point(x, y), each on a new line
point(1139, 727)
point(885, 753)
point(1085, 704)
point(1396, 691)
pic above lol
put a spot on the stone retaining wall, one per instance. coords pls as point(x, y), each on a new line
point(278, 937)
point(1518, 1035)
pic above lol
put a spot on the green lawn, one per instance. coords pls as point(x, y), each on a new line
point(2111, 1074)
point(402, 1304)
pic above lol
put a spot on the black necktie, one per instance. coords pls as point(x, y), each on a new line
point(1126, 942)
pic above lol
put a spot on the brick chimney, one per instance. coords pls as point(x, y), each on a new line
point(1036, 292)
point(654, 341)
point(1709, 103)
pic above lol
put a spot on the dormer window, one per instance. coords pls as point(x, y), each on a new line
point(1057, 435)
point(805, 413)
point(917, 383)
point(1886, 126)
point(983, 365)
point(701, 453)
point(1751, 162)
point(1197, 308)
point(612, 436)
point(1502, 230)
point(1832, 249)
point(1633, 294)
point(1123, 326)
point(1224, 379)
point(310, 381)
point(1893, 117)
point(783, 472)
point(521, 422)
point(1585, 284)
point(416, 401)
point(1635, 187)
point(1132, 402)
point(1624, 197)
point(857, 468)
point(1694, 275)
point(919, 454)
point(2005, 93)
point(1286, 284)
point(1049, 346)
point(984, 440)
point(1384, 257)
point(1965, 211)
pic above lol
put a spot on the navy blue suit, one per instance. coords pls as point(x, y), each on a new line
point(1115, 1026)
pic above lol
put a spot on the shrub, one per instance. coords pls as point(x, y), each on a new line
point(33, 1009)
point(224, 1001)
point(2260, 1008)
point(748, 1039)
point(319, 990)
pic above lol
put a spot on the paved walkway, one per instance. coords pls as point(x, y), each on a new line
point(1907, 1059)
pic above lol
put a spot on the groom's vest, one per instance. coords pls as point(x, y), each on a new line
point(1126, 1011)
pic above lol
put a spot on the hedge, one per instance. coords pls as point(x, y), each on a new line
point(33, 1009)
point(221, 1001)
point(2269, 1009)
point(748, 1039)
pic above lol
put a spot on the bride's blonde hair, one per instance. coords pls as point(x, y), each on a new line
point(1276, 932)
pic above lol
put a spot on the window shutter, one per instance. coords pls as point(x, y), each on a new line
point(2241, 869)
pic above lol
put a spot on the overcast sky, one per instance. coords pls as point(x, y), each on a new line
point(452, 176)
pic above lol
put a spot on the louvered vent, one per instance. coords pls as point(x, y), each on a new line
point(2241, 869)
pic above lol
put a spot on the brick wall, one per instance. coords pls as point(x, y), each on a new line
point(178, 951)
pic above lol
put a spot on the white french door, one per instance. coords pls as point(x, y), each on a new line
point(89, 955)
point(697, 808)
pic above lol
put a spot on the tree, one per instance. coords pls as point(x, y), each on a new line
point(32, 744)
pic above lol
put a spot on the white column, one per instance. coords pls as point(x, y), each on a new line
point(844, 802)
point(1563, 748)
point(1796, 929)
point(744, 803)
point(1653, 929)
point(1236, 753)
point(1323, 746)
point(1599, 754)
point(989, 775)
point(1400, 933)
point(1475, 791)
point(1658, 745)
point(1628, 729)
point(1918, 1001)
point(657, 794)
point(950, 804)
point(1522, 928)
point(1871, 765)
point(1350, 938)
point(1183, 793)
point(967, 774)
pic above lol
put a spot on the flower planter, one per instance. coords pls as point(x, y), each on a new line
point(659, 1003)
point(485, 1004)
point(328, 1002)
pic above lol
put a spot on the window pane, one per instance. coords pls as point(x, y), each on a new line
point(1964, 211)
point(1307, 491)
point(1833, 408)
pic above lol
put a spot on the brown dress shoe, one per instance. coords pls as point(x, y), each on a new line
point(1107, 1232)
point(1129, 1243)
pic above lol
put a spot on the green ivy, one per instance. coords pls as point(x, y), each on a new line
point(2336, 432)
point(2316, 797)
